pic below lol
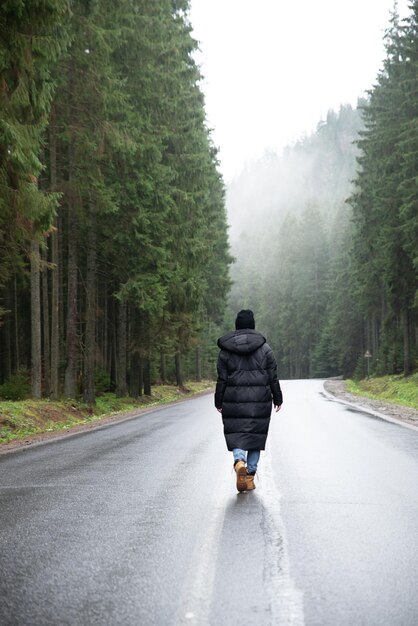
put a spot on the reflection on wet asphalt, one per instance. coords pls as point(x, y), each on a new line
point(140, 522)
point(349, 485)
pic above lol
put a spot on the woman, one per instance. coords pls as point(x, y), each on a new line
point(247, 384)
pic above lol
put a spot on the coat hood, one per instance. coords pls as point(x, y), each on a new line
point(242, 341)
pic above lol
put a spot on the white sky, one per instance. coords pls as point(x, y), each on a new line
point(273, 68)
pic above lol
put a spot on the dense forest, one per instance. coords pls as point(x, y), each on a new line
point(326, 235)
point(114, 253)
point(114, 249)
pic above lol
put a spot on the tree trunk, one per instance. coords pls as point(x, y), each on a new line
point(7, 340)
point(36, 367)
point(179, 373)
point(56, 269)
point(113, 338)
point(406, 343)
point(90, 334)
point(134, 369)
point(121, 389)
point(16, 321)
point(147, 376)
point(55, 337)
point(141, 377)
point(134, 358)
point(375, 336)
point(70, 381)
point(163, 368)
point(198, 364)
point(105, 328)
point(46, 333)
point(62, 293)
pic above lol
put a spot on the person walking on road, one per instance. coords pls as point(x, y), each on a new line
point(246, 386)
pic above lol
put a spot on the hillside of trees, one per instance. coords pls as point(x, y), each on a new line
point(114, 250)
point(326, 235)
point(114, 254)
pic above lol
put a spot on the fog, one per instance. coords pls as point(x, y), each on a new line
point(272, 70)
point(290, 228)
point(316, 171)
point(282, 82)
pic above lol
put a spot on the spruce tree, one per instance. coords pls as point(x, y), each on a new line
point(34, 35)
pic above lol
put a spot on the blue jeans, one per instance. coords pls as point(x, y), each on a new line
point(251, 457)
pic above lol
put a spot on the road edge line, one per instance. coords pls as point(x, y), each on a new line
point(365, 409)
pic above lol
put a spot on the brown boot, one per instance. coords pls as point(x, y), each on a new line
point(249, 479)
point(241, 472)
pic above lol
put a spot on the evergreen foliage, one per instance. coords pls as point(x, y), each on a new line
point(129, 209)
point(292, 269)
point(332, 270)
point(114, 244)
point(385, 207)
point(33, 35)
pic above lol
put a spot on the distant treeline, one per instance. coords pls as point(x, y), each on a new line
point(114, 251)
point(332, 273)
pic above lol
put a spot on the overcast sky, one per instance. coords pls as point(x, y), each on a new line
point(273, 68)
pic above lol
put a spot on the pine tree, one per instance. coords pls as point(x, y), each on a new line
point(33, 37)
point(384, 268)
point(127, 272)
point(408, 145)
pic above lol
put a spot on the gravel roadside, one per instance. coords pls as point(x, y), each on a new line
point(337, 388)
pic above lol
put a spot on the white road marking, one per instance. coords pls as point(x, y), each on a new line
point(286, 600)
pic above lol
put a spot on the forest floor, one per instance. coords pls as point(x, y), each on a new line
point(343, 390)
point(28, 422)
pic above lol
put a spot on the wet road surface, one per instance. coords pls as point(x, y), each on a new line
point(139, 523)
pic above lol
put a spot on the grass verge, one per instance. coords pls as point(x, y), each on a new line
point(23, 418)
point(395, 389)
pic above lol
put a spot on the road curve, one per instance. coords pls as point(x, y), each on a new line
point(139, 523)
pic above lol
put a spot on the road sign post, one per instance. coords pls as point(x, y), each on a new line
point(368, 356)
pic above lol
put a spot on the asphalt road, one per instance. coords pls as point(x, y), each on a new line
point(139, 523)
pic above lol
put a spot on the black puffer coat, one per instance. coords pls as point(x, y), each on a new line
point(247, 383)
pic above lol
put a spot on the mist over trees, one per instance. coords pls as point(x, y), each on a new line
point(114, 250)
point(287, 258)
point(326, 235)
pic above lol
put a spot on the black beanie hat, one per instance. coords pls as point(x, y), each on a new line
point(245, 319)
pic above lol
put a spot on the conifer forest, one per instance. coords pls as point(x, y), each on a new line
point(116, 270)
point(330, 263)
point(114, 251)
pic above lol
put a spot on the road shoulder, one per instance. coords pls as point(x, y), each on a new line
point(31, 441)
point(386, 410)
